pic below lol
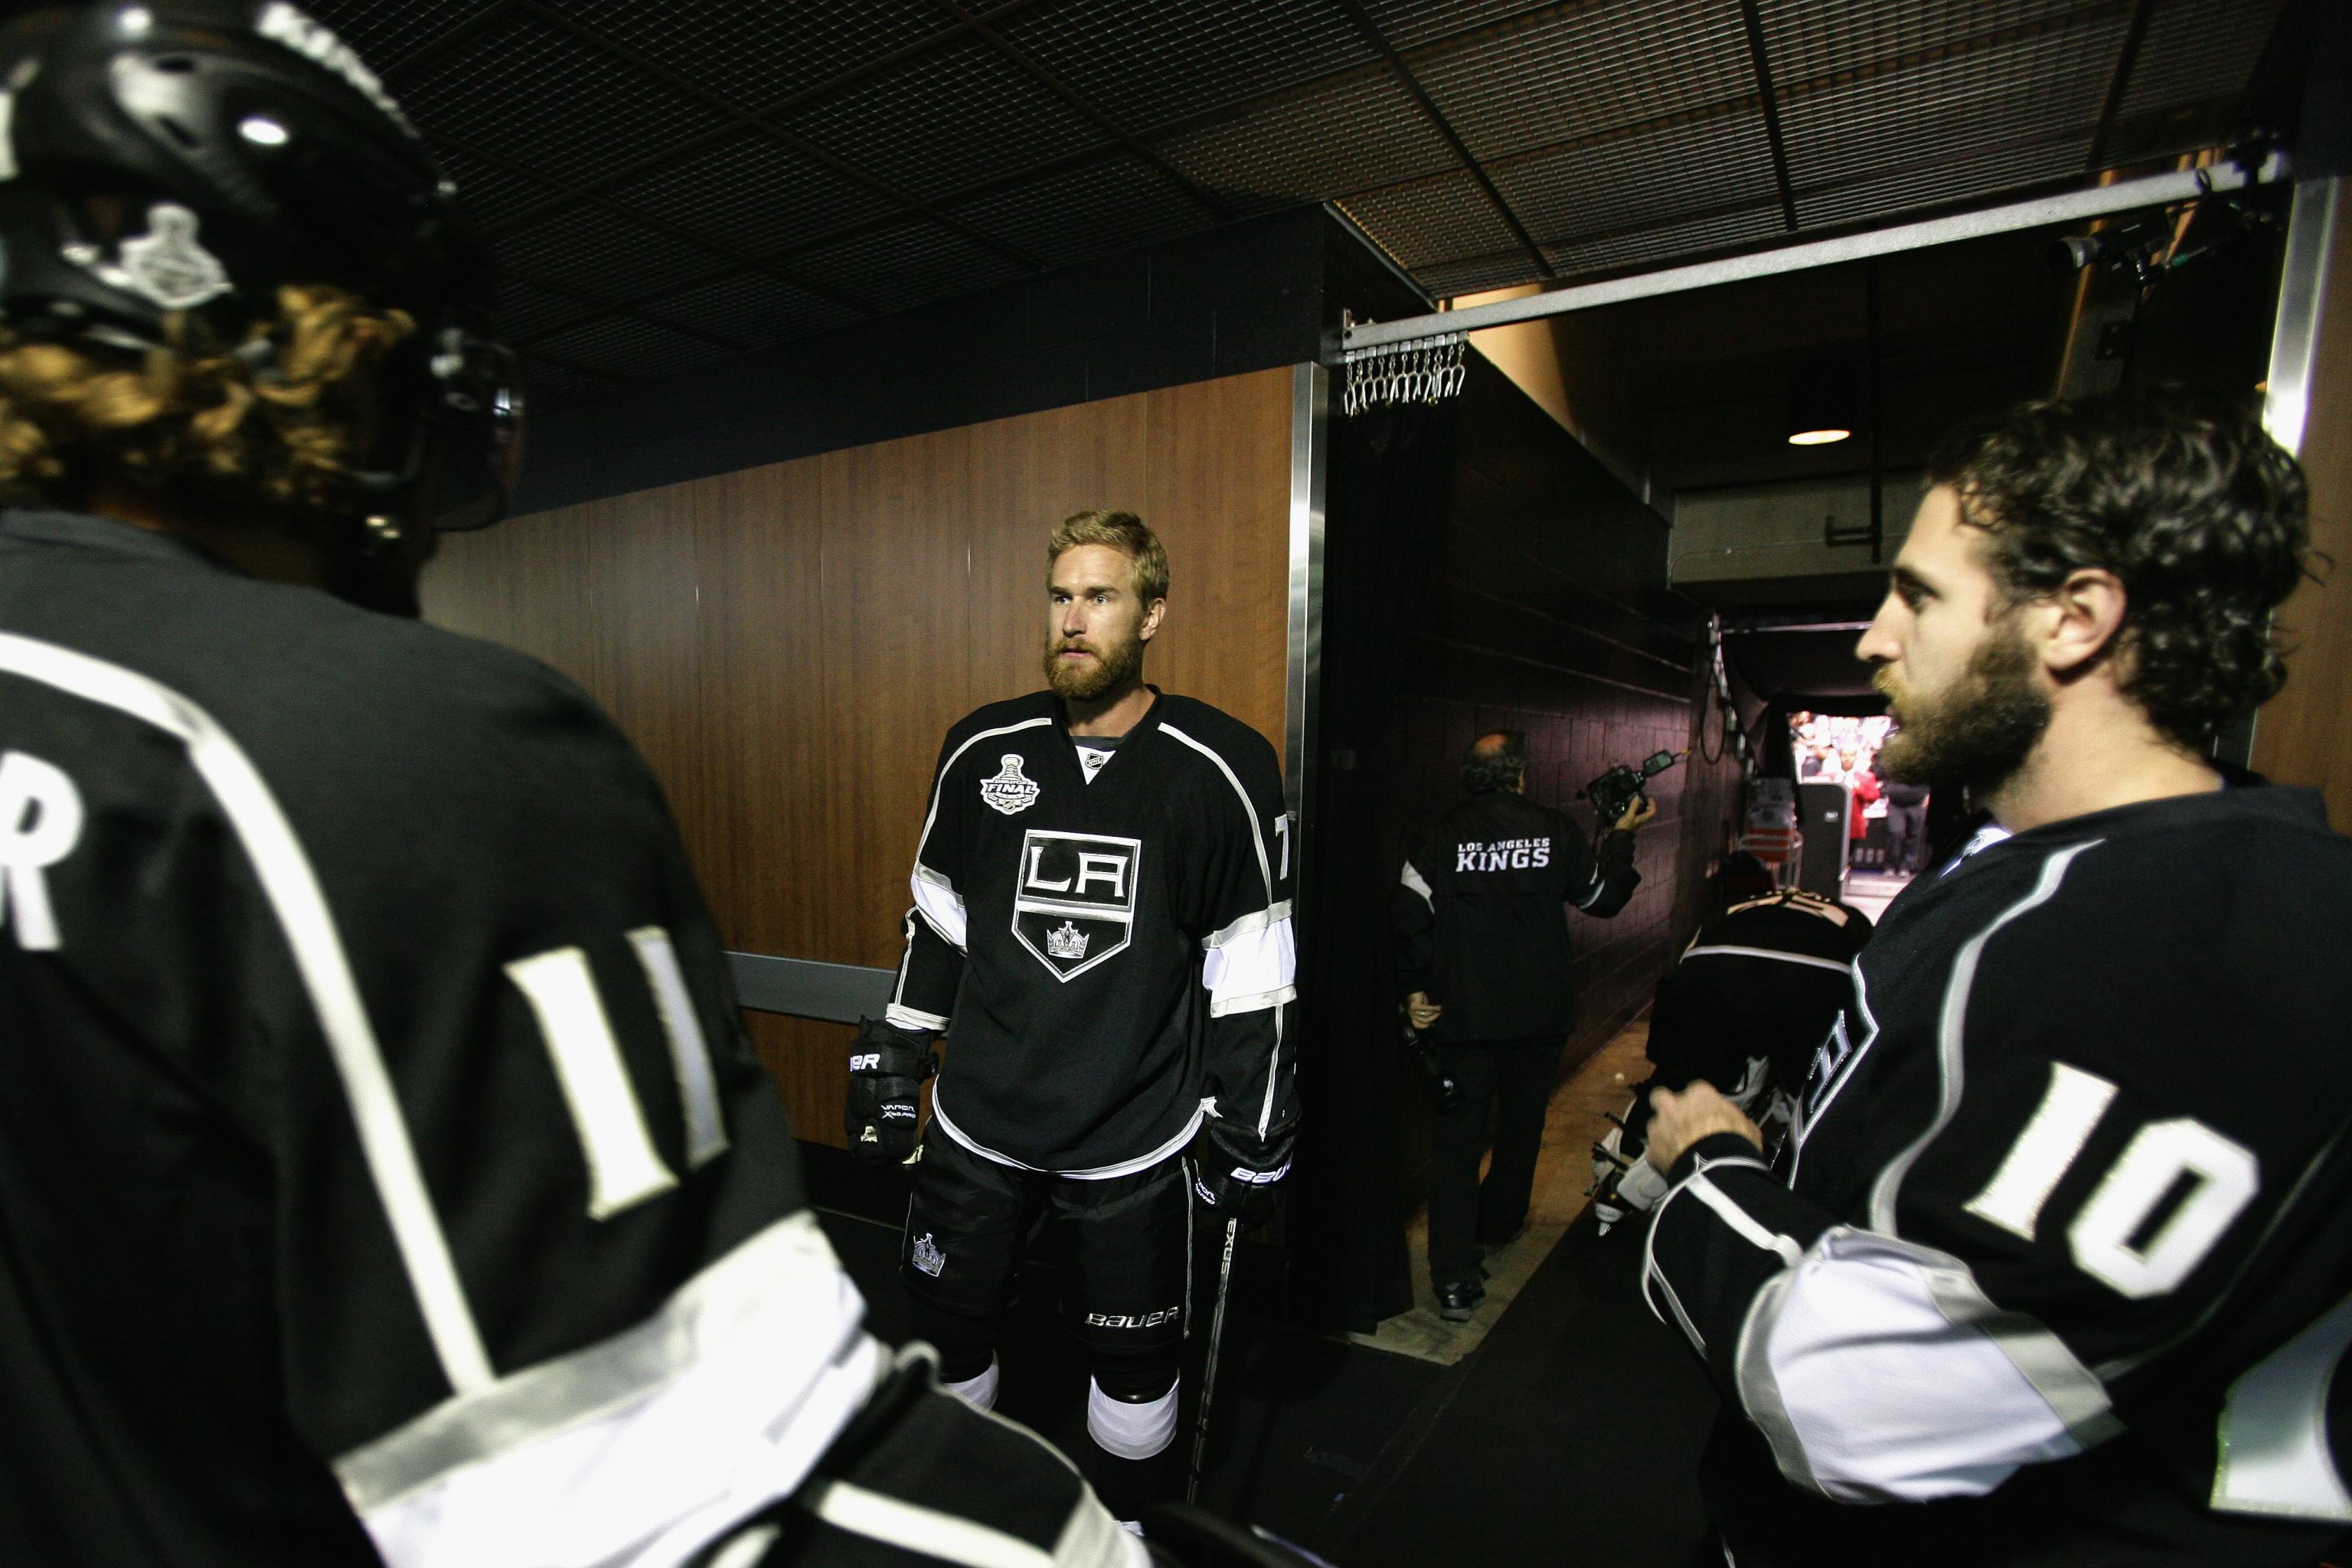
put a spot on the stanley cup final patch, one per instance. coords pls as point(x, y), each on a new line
point(1075, 903)
point(1008, 790)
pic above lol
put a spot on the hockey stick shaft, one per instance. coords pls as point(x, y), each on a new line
point(1209, 1373)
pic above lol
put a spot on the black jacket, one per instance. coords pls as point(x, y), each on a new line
point(2060, 1265)
point(1481, 915)
point(372, 1095)
point(1109, 958)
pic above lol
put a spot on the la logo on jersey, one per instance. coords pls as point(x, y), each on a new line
point(1010, 790)
point(927, 1256)
point(1074, 903)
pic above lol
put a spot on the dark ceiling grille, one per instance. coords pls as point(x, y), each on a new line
point(1332, 138)
point(956, 118)
point(1112, 203)
point(2195, 52)
point(1586, 69)
point(627, 347)
point(1429, 220)
point(664, 183)
point(1117, 57)
point(758, 54)
point(753, 194)
point(1625, 181)
point(541, 98)
point(754, 308)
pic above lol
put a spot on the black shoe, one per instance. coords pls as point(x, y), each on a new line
point(1458, 1300)
point(1492, 1248)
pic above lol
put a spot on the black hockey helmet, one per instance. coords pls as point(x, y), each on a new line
point(166, 156)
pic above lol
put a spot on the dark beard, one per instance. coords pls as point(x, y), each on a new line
point(1975, 736)
point(1115, 666)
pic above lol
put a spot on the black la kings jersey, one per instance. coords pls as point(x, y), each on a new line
point(382, 1171)
point(1480, 914)
point(2063, 1270)
point(1116, 953)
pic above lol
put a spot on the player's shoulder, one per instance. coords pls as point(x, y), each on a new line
point(1034, 711)
point(1205, 727)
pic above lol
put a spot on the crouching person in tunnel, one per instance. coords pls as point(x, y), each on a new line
point(1742, 1009)
point(1101, 925)
point(384, 1175)
point(2054, 1268)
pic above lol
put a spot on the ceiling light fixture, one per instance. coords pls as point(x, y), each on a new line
point(263, 131)
point(1823, 406)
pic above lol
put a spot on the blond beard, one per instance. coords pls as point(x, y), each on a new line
point(1115, 666)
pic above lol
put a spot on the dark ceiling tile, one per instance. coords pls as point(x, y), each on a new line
point(2196, 51)
point(1328, 141)
point(633, 350)
point(1690, 237)
point(525, 310)
point(1145, 66)
point(2035, 86)
point(753, 308)
point(1408, 23)
point(759, 53)
point(1652, 177)
point(530, 93)
point(386, 33)
point(601, 254)
point(548, 387)
point(492, 193)
point(751, 194)
point(956, 117)
point(1110, 204)
point(1425, 221)
point(1806, 41)
point(1952, 175)
point(1476, 274)
point(906, 264)
point(1559, 76)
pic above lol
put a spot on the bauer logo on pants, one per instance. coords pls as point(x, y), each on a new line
point(1074, 905)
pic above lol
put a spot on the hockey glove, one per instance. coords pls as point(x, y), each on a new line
point(886, 1066)
point(1234, 1171)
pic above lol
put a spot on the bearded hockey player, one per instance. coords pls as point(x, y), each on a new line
point(383, 1177)
point(2058, 1266)
point(1102, 928)
point(1743, 1009)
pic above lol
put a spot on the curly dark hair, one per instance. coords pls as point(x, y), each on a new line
point(1487, 769)
point(2185, 497)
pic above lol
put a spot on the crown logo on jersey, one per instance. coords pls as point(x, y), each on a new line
point(1065, 941)
point(927, 1256)
point(1010, 790)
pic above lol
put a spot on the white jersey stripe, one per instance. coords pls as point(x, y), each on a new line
point(1950, 1032)
point(1729, 950)
point(1412, 877)
point(941, 907)
point(697, 1083)
point(1265, 870)
point(301, 906)
point(643, 1447)
point(945, 1123)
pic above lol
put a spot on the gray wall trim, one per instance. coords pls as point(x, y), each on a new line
point(806, 988)
point(1311, 421)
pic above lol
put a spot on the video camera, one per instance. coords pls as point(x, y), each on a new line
point(1614, 792)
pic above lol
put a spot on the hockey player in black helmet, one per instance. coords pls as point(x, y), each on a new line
point(384, 1176)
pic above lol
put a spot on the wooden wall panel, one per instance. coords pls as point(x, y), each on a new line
point(897, 666)
point(788, 644)
point(767, 778)
point(1218, 494)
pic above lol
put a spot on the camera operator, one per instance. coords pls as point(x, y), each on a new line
point(1482, 958)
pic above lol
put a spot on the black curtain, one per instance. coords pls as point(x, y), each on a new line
point(1388, 486)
